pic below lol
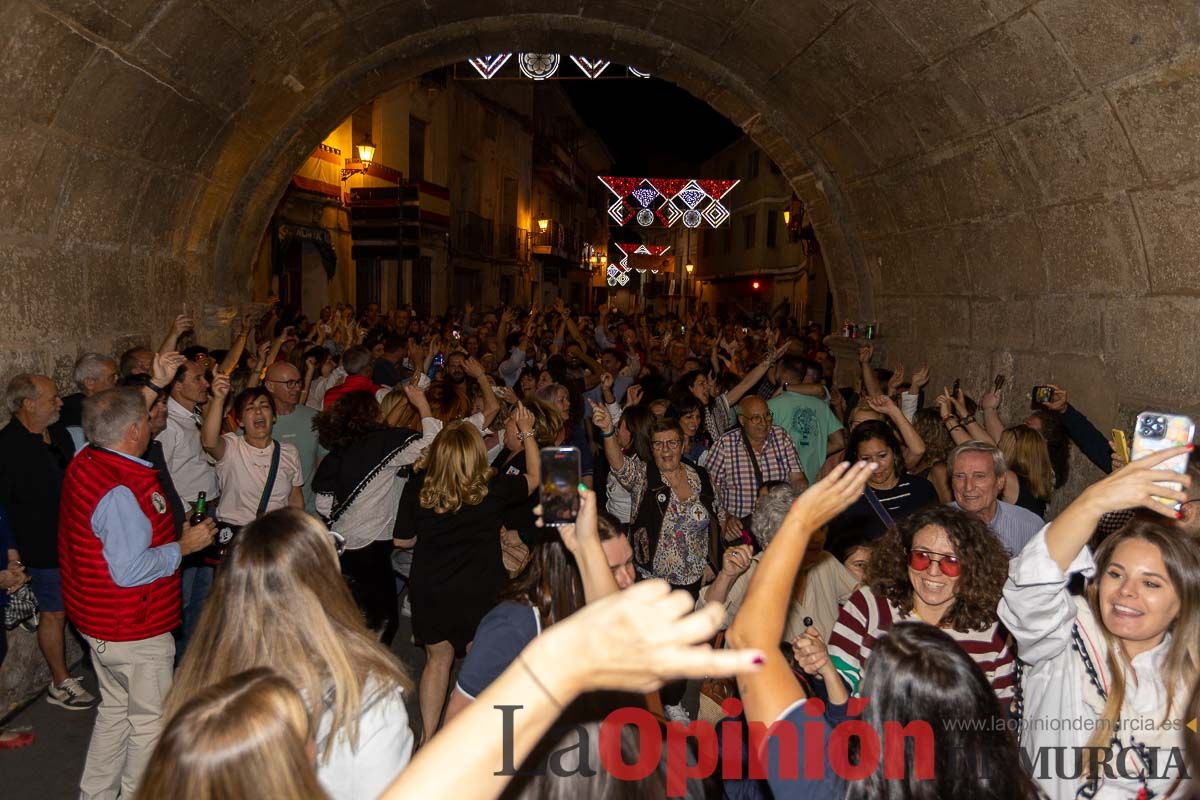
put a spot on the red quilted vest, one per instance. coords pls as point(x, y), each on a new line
point(94, 602)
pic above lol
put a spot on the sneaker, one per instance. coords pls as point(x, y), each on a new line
point(677, 714)
point(71, 695)
point(405, 608)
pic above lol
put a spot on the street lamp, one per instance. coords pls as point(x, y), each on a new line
point(543, 225)
point(690, 268)
point(366, 154)
point(787, 216)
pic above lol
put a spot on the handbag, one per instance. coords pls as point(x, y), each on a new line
point(22, 606)
point(227, 531)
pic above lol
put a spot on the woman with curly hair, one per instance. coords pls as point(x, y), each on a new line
point(454, 507)
point(937, 566)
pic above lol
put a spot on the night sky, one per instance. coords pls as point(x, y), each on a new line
point(651, 127)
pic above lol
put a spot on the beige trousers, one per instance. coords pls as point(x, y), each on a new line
point(134, 679)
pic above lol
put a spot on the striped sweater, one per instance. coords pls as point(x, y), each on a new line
point(866, 617)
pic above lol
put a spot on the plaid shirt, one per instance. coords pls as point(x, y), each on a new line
point(732, 472)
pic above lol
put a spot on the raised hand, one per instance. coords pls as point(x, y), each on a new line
point(524, 418)
point(919, 379)
point(1058, 401)
point(865, 353)
point(416, 397)
point(828, 497)
point(164, 368)
point(221, 386)
point(896, 381)
point(990, 401)
point(633, 395)
point(182, 324)
point(1141, 483)
point(473, 368)
point(882, 404)
point(601, 418)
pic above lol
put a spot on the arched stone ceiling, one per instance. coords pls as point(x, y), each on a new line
point(1010, 183)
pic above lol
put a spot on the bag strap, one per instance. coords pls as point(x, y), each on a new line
point(877, 505)
point(266, 495)
point(341, 507)
point(758, 478)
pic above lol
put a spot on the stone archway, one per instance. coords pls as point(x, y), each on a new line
point(1006, 185)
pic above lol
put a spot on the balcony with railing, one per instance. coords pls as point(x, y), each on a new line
point(512, 244)
point(564, 241)
point(473, 235)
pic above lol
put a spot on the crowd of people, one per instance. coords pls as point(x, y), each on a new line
point(236, 532)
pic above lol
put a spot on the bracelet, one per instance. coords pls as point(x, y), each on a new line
point(540, 685)
point(523, 435)
point(956, 427)
point(610, 434)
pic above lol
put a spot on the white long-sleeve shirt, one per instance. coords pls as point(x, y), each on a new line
point(385, 744)
point(1061, 706)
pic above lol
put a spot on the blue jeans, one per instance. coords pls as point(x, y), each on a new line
point(196, 583)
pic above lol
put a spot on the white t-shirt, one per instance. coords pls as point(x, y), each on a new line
point(243, 472)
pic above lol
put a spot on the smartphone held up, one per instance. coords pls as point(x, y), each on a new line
point(1154, 432)
point(560, 485)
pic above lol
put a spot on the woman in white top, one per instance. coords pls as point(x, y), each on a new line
point(358, 487)
point(244, 460)
point(279, 601)
point(1113, 670)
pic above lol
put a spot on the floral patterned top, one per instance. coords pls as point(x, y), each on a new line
point(683, 543)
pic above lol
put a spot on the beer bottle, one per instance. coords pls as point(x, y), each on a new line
point(198, 513)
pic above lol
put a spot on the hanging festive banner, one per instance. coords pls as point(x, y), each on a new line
point(668, 200)
point(618, 269)
point(544, 66)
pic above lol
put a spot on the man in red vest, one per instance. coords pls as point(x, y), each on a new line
point(120, 572)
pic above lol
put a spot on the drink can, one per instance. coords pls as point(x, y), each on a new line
point(870, 331)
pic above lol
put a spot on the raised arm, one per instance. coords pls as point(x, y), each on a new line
point(230, 362)
point(533, 460)
point(755, 375)
point(582, 539)
point(182, 324)
point(870, 380)
point(162, 373)
point(971, 425)
point(914, 445)
point(989, 404)
point(214, 411)
point(761, 619)
point(608, 434)
point(491, 406)
point(1136, 484)
point(633, 641)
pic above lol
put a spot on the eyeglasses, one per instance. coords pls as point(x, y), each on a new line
point(669, 444)
point(921, 559)
point(758, 417)
point(288, 384)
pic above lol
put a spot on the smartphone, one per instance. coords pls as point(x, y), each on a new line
point(1120, 444)
point(560, 485)
point(998, 384)
point(457, 334)
point(956, 387)
point(1154, 432)
point(1043, 394)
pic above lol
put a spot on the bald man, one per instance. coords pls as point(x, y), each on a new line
point(745, 458)
point(293, 422)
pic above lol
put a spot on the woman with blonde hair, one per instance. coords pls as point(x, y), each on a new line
point(1027, 457)
point(1118, 663)
point(279, 600)
point(453, 507)
point(246, 736)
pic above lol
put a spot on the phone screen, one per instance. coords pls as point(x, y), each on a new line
point(999, 384)
point(1043, 394)
point(560, 485)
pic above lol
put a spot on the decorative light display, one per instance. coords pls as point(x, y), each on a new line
point(488, 66)
point(668, 200)
point(538, 66)
point(618, 271)
point(543, 66)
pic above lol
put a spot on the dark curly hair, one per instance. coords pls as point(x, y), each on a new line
point(353, 416)
point(984, 566)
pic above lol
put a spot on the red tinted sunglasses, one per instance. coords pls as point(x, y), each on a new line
point(921, 559)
